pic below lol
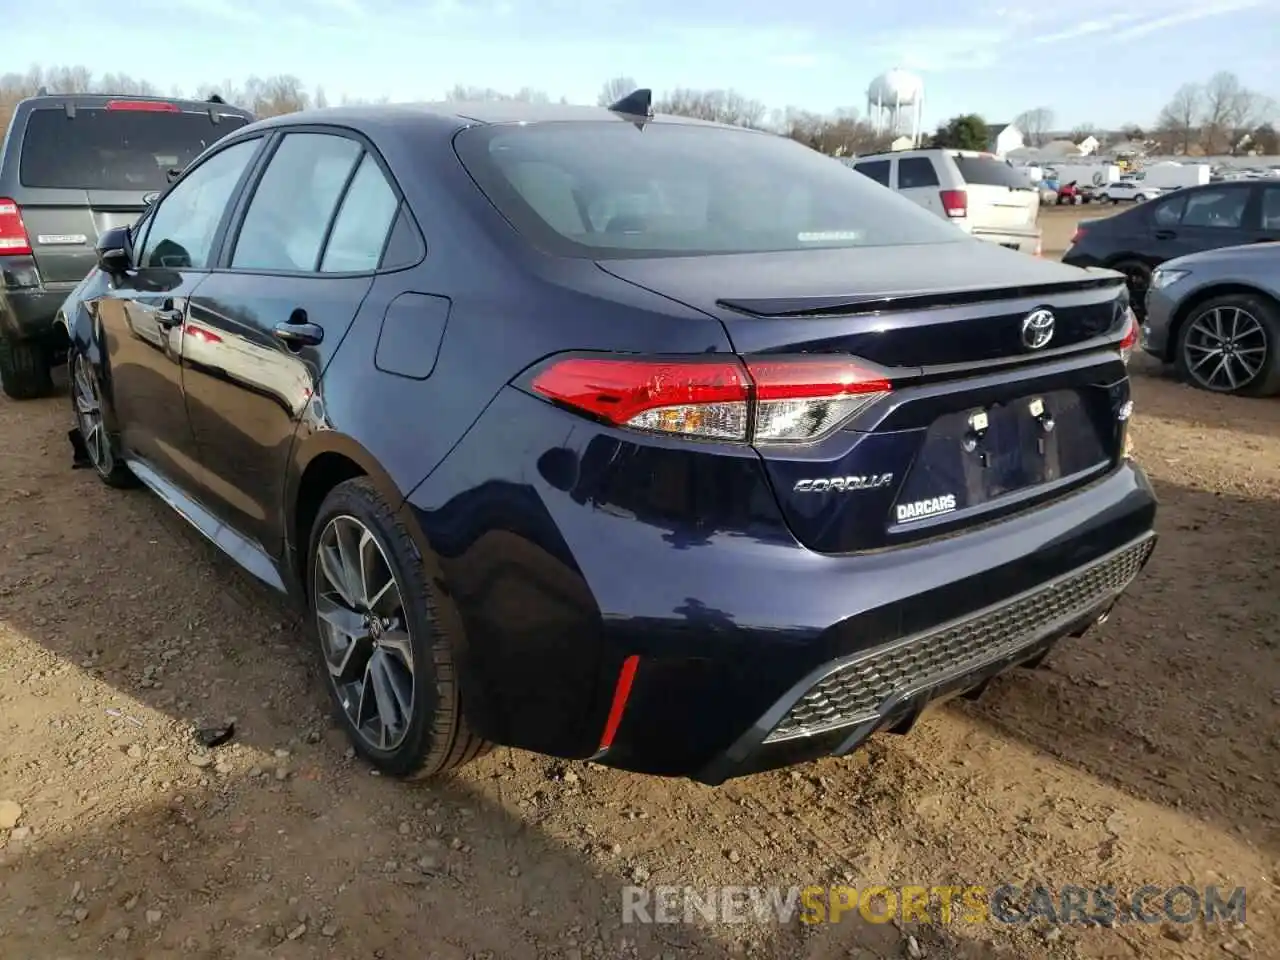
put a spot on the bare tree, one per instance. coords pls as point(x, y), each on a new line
point(722, 106)
point(615, 89)
point(1180, 118)
point(1035, 124)
point(460, 92)
point(320, 100)
point(1083, 131)
point(842, 134)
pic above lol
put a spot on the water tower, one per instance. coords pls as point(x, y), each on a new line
point(895, 104)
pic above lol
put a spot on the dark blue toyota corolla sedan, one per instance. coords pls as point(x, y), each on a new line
point(604, 435)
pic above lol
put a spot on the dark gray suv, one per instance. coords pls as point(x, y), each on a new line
point(72, 167)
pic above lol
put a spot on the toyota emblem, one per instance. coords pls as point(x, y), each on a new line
point(1037, 329)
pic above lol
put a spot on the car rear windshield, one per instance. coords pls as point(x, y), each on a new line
point(990, 172)
point(613, 189)
point(99, 149)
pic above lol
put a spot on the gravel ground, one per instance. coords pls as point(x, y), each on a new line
point(1146, 752)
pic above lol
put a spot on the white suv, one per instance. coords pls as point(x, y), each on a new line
point(1133, 190)
point(978, 192)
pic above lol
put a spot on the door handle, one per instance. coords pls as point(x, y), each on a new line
point(1166, 234)
point(303, 334)
point(169, 317)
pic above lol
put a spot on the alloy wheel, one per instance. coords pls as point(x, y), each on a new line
point(1225, 349)
point(364, 638)
point(88, 403)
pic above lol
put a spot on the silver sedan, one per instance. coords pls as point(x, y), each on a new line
point(1215, 315)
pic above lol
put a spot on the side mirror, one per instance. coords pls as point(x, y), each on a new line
point(115, 251)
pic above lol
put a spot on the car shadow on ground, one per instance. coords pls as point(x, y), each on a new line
point(1174, 698)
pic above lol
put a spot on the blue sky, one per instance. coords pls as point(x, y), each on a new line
point(1091, 61)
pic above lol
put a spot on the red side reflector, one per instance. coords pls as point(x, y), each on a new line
point(1078, 235)
point(144, 106)
point(621, 693)
point(13, 232)
point(955, 203)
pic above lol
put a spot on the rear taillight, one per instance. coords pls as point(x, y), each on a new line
point(1130, 338)
point(13, 232)
point(955, 203)
point(774, 400)
point(144, 106)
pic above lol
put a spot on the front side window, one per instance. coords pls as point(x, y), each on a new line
point(611, 189)
point(294, 201)
point(183, 226)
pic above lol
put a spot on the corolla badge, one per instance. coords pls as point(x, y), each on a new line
point(843, 484)
point(150, 198)
point(1037, 329)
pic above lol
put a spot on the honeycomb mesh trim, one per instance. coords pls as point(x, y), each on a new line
point(858, 691)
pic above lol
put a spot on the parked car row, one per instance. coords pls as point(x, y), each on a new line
point(1202, 266)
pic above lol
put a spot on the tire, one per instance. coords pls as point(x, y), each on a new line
point(1260, 317)
point(1140, 198)
point(1137, 277)
point(99, 445)
point(432, 737)
point(24, 369)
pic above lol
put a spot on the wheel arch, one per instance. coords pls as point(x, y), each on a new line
point(319, 463)
point(1202, 296)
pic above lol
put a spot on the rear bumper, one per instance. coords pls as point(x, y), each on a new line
point(837, 707)
point(1024, 241)
point(613, 548)
point(26, 313)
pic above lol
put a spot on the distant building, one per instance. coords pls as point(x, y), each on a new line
point(1089, 145)
point(903, 143)
point(1003, 137)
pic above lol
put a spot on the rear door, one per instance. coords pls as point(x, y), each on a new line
point(86, 169)
point(262, 329)
point(1000, 197)
point(1207, 219)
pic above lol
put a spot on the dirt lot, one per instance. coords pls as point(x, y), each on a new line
point(1148, 752)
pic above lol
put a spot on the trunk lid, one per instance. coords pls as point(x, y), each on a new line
point(978, 423)
point(999, 195)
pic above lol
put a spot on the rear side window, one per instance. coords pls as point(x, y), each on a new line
point(360, 232)
point(100, 149)
point(1216, 208)
point(1271, 208)
point(990, 172)
point(877, 170)
point(916, 172)
point(1168, 213)
point(610, 189)
point(294, 203)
